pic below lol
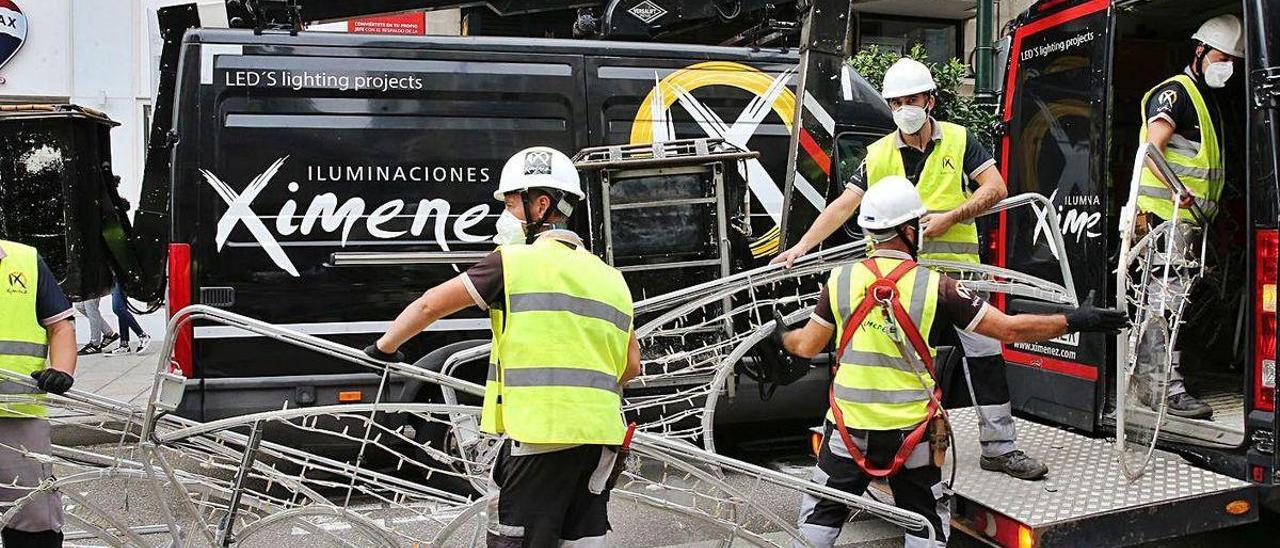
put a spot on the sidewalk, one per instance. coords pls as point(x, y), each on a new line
point(124, 378)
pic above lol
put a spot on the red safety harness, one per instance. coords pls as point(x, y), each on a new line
point(884, 291)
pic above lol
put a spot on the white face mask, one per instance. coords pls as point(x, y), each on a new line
point(910, 118)
point(510, 229)
point(1217, 74)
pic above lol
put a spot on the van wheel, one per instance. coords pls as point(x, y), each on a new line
point(437, 433)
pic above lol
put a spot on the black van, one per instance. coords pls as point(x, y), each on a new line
point(322, 181)
point(1076, 73)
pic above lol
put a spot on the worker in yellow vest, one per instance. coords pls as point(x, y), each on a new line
point(884, 398)
point(1183, 121)
point(957, 180)
point(37, 341)
point(563, 348)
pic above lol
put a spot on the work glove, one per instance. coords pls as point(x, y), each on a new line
point(373, 352)
point(779, 330)
point(774, 366)
point(1090, 319)
point(53, 381)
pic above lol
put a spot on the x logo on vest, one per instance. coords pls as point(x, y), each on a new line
point(17, 282)
point(948, 164)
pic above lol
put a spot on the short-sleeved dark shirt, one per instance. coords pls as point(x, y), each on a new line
point(484, 279)
point(976, 159)
point(51, 303)
point(1171, 102)
point(957, 307)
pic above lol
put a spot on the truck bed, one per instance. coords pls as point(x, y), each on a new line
point(1085, 500)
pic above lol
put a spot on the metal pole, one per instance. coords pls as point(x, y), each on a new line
point(226, 533)
point(982, 52)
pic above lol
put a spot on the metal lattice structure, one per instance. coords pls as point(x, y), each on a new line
point(1156, 272)
point(239, 481)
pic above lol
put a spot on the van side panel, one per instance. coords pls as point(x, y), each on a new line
point(310, 153)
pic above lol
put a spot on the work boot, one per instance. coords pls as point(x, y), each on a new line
point(1016, 464)
point(1186, 405)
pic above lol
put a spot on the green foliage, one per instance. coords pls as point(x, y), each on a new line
point(872, 62)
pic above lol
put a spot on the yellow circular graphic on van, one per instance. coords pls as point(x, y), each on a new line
point(700, 75)
point(679, 87)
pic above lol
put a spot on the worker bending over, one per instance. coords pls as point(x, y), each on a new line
point(563, 347)
point(957, 180)
point(884, 400)
point(1183, 121)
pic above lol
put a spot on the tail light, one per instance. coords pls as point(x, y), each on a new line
point(1264, 319)
point(178, 298)
point(997, 528)
point(995, 251)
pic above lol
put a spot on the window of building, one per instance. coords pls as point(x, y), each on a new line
point(941, 38)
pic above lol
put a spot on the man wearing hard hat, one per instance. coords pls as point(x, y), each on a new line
point(957, 180)
point(1183, 121)
point(884, 402)
point(563, 347)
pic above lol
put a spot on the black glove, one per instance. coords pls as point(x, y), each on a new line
point(373, 352)
point(779, 330)
point(1088, 319)
point(53, 381)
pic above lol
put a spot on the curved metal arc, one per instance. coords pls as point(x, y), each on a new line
point(1055, 232)
point(469, 511)
point(735, 495)
point(1037, 287)
point(191, 313)
point(287, 414)
point(887, 512)
point(723, 370)
point(356, 519)
point(662, 504)
point(834, 253)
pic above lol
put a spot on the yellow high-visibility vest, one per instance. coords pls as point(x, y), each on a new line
point(24, 343)
point(1197, 165)
point(941, 189)
point(876, 387)
point(559, 347)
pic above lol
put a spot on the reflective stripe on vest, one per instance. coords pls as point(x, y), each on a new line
point(1197, 165)
point(876, 387)
point(23, 341)
point(560, 346)
point(941, 186)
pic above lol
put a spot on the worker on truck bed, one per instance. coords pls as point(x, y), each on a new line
point(884, 400)
point(38, 341)
point(563, 346)
point(943, 160)
point(1183, 121)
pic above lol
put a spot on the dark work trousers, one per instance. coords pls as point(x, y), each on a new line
point(984, 363)
point(551, 499)
point(916, 487)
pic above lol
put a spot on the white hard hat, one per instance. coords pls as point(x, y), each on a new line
point(539, 167)
point(907, 77)
point(1223, 33)
point(890, 202)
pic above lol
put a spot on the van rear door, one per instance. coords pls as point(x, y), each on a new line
point(1262, 421)
point(1055, 109)
point(339, 176)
